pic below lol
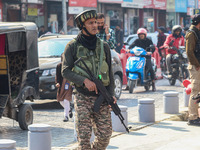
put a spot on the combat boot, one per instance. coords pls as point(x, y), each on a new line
point(195, 122)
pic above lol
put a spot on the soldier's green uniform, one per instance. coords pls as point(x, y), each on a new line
point(86, 118)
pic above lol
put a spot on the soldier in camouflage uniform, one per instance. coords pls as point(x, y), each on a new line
point(97, 56)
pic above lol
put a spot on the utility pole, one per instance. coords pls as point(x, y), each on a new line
point(196, 4)
point(64, 14)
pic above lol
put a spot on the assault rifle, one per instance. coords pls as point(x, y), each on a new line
point(197, 98)
point(103, 94)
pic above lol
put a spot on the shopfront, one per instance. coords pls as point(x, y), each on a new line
point(131, 16)
point(54, 15)
point(33, 11)
point(181, 10)
point(160, 13)
point(113, 12)
point(148, 14)
point(76, 7)
point(171, 15)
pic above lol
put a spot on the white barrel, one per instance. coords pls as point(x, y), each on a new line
point(146, 110)
point(6, 144)
point(39, 137)
point(186, 98)
point(171, 102)
point(117, 126)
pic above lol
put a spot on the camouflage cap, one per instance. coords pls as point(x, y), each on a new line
point(85, 15)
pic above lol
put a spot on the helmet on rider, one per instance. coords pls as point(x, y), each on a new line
point(142, 31)
point(176, 28)
point(196, 19)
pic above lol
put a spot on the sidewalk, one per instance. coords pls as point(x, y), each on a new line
point(166, 135)
point(161, 135)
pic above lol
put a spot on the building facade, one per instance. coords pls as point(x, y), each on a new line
point(129, 14)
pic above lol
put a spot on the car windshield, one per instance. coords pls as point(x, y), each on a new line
point(133, 38)
point(52, 47)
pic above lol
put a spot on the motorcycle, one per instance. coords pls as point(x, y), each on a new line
point(135, 69)
point(179, 63)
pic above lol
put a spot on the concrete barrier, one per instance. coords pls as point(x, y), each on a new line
point(6, 144)
point(186, 98)
point(146, 110)
point(171, 102)
point(39, 137)
point(117, 126)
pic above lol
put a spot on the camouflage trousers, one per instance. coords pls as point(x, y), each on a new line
point(195, 84)
point(87, 119)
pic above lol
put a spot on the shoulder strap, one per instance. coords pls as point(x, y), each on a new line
point(190, 30)
point(75, 43)
point(101, 56)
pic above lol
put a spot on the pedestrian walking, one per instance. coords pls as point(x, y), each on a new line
point(92, 50)
point(104, 32)
point(119, 38)
point(193, 53)
point(161, 39)
point(64, 92)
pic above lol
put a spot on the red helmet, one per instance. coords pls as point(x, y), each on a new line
point(142, 31)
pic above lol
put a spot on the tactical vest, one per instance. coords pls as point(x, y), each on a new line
point(95, 60)
point(197, 46)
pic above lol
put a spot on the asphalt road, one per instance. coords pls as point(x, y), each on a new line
point(51, 113)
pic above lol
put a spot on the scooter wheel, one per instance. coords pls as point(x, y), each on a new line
point(131, 86)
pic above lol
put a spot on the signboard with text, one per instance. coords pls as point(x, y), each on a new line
point(82, 3)
point(1, 11)
point(199, 4)
point(191, 3)
point(133, 4)
point(32, 10)
point(160, 4)
point(181, 6)
point(148, 4)
point(190, 11)
point(75, 10)
point(110, 1)
point(196, 11)
point(170, 6)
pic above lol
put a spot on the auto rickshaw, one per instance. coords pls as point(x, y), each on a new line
point(19, 77)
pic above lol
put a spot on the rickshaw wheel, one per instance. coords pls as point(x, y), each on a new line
point(25, 116)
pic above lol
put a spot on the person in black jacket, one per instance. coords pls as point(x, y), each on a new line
point(119, 38)
point(145, 43)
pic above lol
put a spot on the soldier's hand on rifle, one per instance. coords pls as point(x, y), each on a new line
point(197, 68)
point(115, 101)
point(91, 86)
point(57, 85)
point(149, 53)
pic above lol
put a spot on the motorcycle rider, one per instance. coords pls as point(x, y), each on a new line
point(145, 43)
point(178, 41)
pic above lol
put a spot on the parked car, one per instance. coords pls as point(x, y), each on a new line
point(50, 49)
